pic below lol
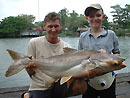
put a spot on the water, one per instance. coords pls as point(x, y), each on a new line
point(20, 45)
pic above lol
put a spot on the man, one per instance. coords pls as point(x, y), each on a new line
point(97, 38)
point(43, 47)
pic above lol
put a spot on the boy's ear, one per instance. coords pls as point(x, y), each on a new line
point(103, 17)
point(87, 18)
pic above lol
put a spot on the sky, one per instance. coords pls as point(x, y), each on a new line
point(39, 8)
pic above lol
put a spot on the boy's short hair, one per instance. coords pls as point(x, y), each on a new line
point(52, 16)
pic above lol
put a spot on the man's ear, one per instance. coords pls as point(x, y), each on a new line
point(44, 27)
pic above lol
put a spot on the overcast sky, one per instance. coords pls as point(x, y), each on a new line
point(30, 7)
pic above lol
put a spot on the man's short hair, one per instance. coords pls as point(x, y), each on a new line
point(52, 16)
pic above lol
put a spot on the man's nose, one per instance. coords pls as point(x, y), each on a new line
point(53, 28)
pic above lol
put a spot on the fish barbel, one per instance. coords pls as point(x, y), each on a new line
point(74, 63)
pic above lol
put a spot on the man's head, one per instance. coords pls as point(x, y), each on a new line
point(52, 17)
point(52, 26)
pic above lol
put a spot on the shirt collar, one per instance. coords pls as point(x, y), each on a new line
point(103, 33)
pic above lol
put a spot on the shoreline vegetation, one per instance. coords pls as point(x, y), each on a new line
point(73, 24)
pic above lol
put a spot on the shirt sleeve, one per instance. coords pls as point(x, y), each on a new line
point(80, 44)
point(31, 48)
point(67, 45)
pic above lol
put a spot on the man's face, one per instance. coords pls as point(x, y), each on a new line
point(53, 28)
point(95, 18)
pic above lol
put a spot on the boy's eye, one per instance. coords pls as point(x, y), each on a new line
point(98, 15)
point(91, 16)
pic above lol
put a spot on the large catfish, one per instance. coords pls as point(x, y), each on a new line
point(74, 63)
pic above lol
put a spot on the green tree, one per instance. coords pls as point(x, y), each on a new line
point(118, 15)
point(121, 19)
point(29, 19)
point(82, 21)
point(106, 23)
point(126, 16)
point(73, 21)
point(12, 26)
point(64, 18)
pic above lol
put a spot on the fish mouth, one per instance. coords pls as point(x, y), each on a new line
point(6, 74)
point(120, 62)
point(123, 65)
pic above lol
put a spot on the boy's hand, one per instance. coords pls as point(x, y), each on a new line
point(102, 50)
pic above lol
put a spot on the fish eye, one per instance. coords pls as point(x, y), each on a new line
point(115, 64)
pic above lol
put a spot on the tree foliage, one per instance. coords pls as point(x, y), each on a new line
point(71, 21)
point(64, 18)
point(121, 19)
point(29, 20)
point(12, 26)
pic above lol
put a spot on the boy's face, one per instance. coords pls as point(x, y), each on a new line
point(95, 18)
point(53, 28)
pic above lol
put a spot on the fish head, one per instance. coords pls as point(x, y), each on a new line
point(111, 65)
point(107, 62)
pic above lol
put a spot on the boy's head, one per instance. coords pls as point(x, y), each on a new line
point(92, 7)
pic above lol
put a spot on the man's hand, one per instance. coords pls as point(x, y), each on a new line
point(30, 68)
point(31, 65)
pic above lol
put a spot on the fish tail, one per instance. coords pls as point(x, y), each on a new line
point(17, 65)
point(15, 55)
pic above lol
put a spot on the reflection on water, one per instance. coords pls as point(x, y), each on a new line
point(20, 45)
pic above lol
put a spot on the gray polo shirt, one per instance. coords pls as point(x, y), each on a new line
point(107, 40)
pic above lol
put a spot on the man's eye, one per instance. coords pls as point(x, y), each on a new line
point(50, 26)
point(56, 26)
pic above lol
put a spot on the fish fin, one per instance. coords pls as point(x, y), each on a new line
point(64, 79)
point(14, 55)
point(88, 65)
point(69, 82)
point(69, 50)
point(9, 72)
point(85, 62)
point(17, 65)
